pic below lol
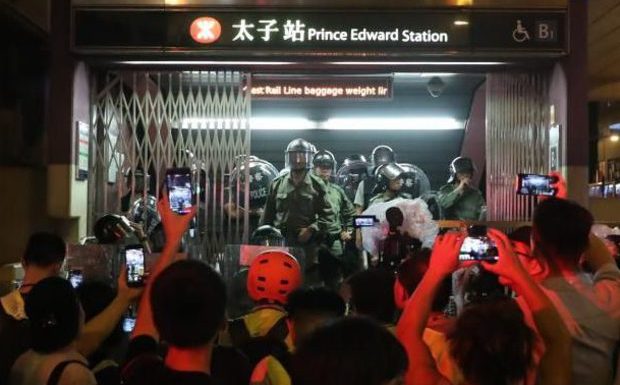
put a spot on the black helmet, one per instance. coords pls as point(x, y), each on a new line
point(262, 173)
point(324, 159)
point(386, 173)
point(354, 169)
point(267, 235)
point(112, 228)
point(383, 155)
point(299, 154)
point(461, 164)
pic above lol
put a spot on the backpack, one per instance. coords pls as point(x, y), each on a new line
point(257, 348)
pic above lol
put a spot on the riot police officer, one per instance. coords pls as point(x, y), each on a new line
point(381, 155)
point(459, 199)
point(340, 230)
point(297, 202)
point(353, 171)
point(389, 184)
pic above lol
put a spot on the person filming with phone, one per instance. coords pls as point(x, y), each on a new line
point(459, 199)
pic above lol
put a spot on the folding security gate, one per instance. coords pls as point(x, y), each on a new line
point(146, 122)
point(517, 139)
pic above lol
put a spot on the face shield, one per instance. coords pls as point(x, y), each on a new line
point(298, 160)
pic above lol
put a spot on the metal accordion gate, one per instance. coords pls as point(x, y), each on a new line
point(146, 122)
point(517, 140)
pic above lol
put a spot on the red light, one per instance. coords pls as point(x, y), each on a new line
point(205, 30)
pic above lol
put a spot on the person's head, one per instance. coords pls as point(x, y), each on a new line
point(372, 294)
point(324, 164)
point(267, 235)
point(394, 216)
point(491, 343)
point(390, 177)
point(381, 155)
point(273, 274)
point(188, 300)
point(461, 168)
point(473, 285)
point(95, 297)
point(55, 315)
point(521, 239)
point(45, 251)
point(561, 230)
point(299, 154)
point(352, 351)
point(410, 274)
point(312, 308)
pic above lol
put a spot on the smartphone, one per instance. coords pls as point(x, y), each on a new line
point(128, 324)
point(536, 184)
point(76, 278)
point(478, 248)
point(179, 186)
point(364, 221)
point(134, 259)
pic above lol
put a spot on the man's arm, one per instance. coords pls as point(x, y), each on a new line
point(347, 211)
point(269, 213)
point(102, 325)
point(444, 259)
point(174, 228)
point(448, 196)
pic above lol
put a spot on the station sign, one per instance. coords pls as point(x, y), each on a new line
point(341, 87)
point(312, 32)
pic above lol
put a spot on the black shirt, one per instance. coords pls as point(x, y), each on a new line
point(145, 366)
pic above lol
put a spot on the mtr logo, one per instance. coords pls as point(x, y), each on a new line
point(205, 30)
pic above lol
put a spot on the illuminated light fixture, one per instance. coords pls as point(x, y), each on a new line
point(256, 123)
point(615, 126)
point(461, 22)
point(401, 124)
point(295, 123)
point(614, 138)
point(287, 63)
point(432, 63)
point(423, 74)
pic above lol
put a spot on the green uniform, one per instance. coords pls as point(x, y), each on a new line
point(343, 217)
point(463, 205)
point(291, 208)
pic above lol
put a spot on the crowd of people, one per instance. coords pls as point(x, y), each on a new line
point(544, 311)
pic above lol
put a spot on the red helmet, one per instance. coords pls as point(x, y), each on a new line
point(273, 275)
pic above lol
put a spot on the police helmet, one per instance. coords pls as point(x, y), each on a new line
point(383, 155)
point(386, 173)
point(461, 164)
point(261, 174)
point(267, 235)
point(325, 159)
point(299, 154)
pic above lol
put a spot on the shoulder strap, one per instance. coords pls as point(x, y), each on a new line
point(239, 333)
point(54, 377)
point(279, 331)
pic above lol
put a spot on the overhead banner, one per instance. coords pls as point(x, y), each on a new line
point(341, 87)
point(309, 32)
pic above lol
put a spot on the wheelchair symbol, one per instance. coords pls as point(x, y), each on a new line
point(520, 34)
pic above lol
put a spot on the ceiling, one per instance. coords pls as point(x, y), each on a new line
point(604, 49)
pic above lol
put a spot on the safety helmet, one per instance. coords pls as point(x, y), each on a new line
point(325, 159)
point(382, 155)
point(386, 173)
point(267, 235)
point(299, 154)
point(273, 275)
point(354, 169)
point(461, 164)
point(112, 228)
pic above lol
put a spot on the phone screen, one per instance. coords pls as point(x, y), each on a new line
point(134, 258)
point(179, 184)
point(76, 278)
point(535, 184)
point(364, 221)
point(478, 249)
point(128, 324)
